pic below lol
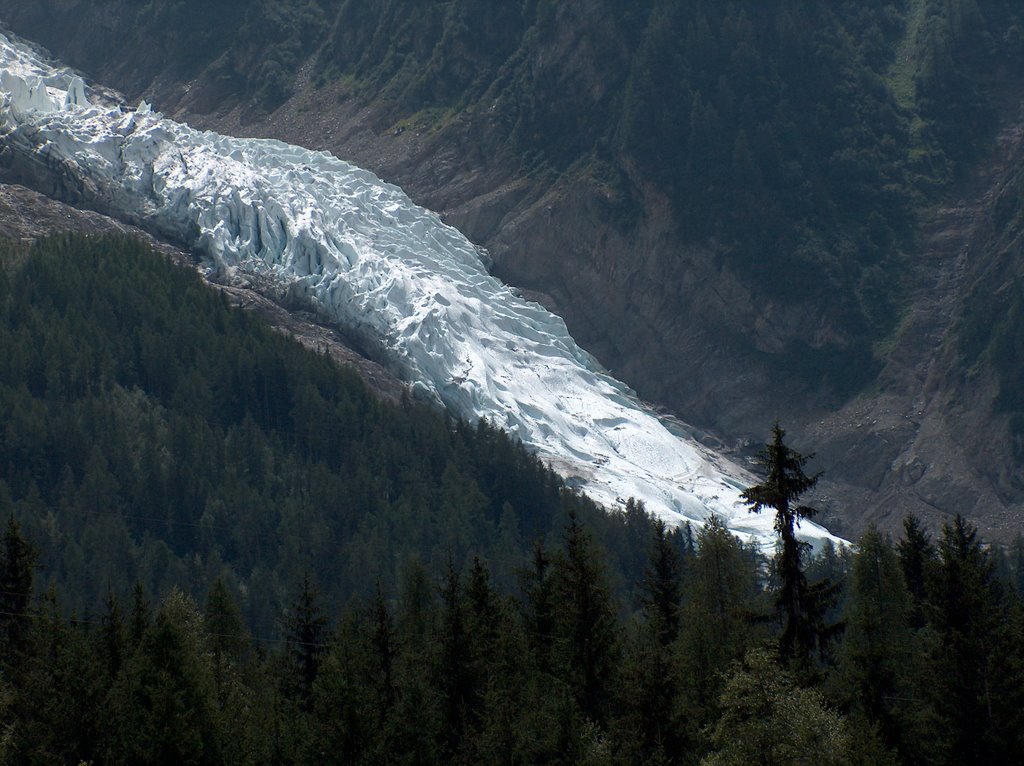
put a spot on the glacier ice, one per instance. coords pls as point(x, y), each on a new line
point(380, 266)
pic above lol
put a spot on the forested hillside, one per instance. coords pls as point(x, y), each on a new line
point(152, 434)
point(220, 548)
point(917, 661)
point(740, 208)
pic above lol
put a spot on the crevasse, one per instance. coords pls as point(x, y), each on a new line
point(378, 265)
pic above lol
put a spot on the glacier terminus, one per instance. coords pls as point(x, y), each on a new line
point(412, 288)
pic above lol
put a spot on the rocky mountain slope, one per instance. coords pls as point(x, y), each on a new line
point(826, 267)
point(939, 430)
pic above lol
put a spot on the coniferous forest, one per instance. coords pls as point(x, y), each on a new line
point(219, 547)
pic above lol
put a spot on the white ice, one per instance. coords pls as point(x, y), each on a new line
point(379, 266)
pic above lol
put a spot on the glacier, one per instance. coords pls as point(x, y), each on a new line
point(412, 288)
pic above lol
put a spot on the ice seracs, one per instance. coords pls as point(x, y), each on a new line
point(363, 254)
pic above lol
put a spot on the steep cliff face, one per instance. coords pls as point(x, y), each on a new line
point(806, 268)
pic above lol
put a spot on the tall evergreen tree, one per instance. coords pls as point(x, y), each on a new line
point(917, 558)
point(113, 636)
point(877, 652)
point(538, 607)
point(228, 637)
point(415, 729)
point(647, 728)
point(1016, 556)
point(455, 668)
point(62, 694)
point(516, 702)
point(138, 621)
point(163, 707)
point(1007, 690)
point(801, 607)
point(663, 586)
point(16, 565)
point(585, 623)
point(385, 650)
point(969, 610)
point(721, 621)
point(305, 629)
point(344, 723)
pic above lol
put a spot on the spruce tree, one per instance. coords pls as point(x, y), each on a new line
point(344, 724)
point(538, 608)
point(876, 655)
point(720, 621)
point(228, 638)
point(163, 708)
point(306, 637)
point(800, 606)
point(516, 702)
point(455, 677)
point(1016, 556)
point(61, 697)
point(385, 651)
point(415, 726)
point(16, 564)
point(113, 638)
point(646, 730)
point(969, 611)
point(663, 587)
point(585, 623)
point(917, 558)
point(138, 621)
point(1007, 691)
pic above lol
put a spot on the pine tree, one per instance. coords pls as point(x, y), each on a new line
point(385, 650)
point(720, 621)
point(306, 637)
point(801, 607)
point(228, 638)
point(969, 611)
point(663, 586)
point(515, 714)
point(343, 722)
point(455, 675)
point(16, 565)
point(917, 559)
point(646, 730)
point(113, 638)
point(877, 651)
point(61, 693)
point(538, 608)
point(414, 730)
point(1017, 564)
point(139, 620)
point(1007, 692)
point(163, 706)
point(585, 623)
